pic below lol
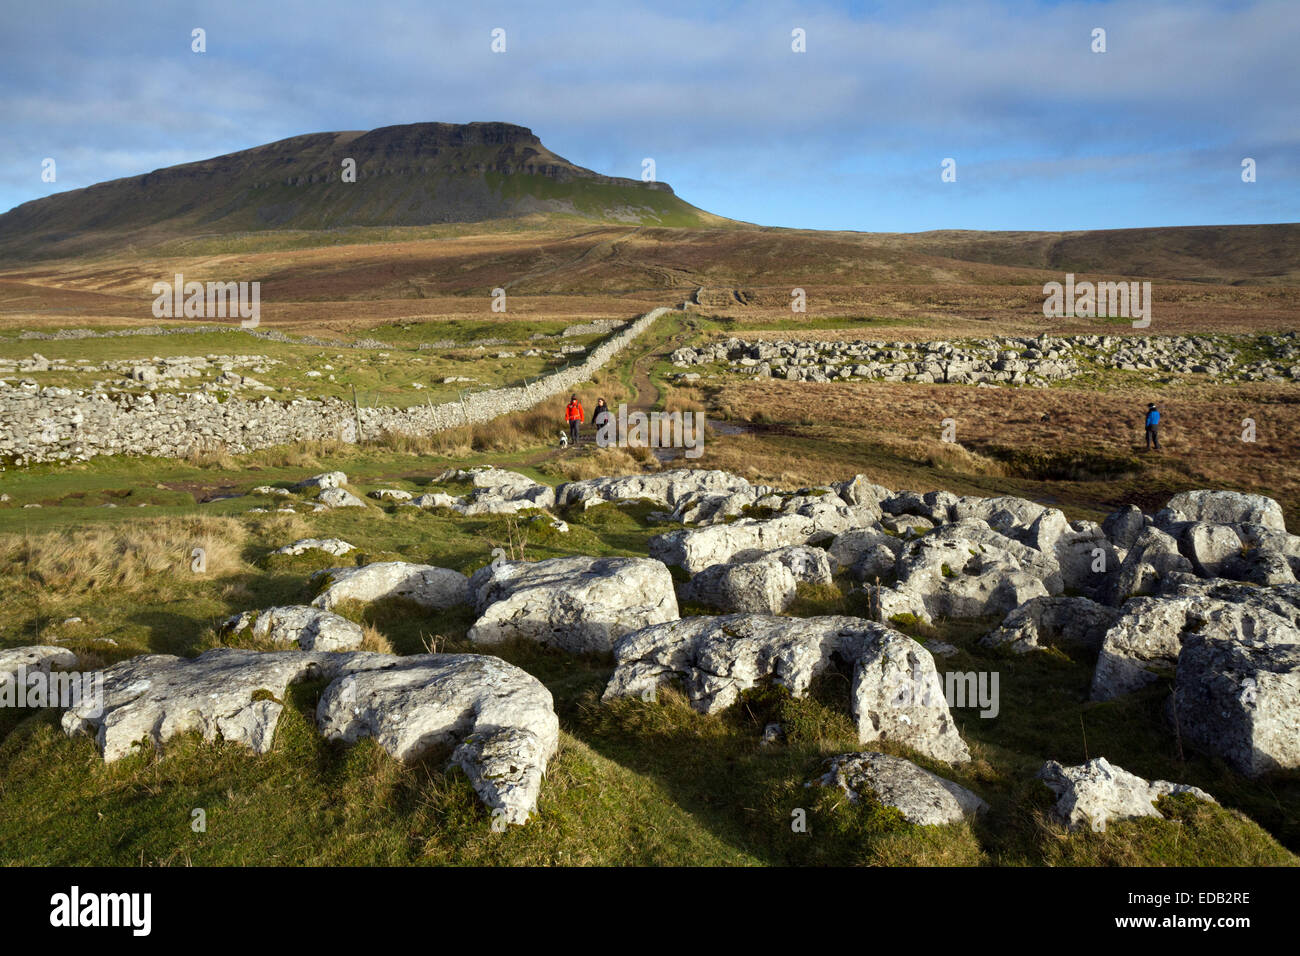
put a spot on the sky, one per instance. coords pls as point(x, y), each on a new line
point(1044, 132)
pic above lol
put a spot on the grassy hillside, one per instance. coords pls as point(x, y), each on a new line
point(414, 175)
point(1259, 254)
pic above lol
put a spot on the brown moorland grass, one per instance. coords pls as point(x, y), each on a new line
point(123, 556)
point(1089, 451)
point(574, 271)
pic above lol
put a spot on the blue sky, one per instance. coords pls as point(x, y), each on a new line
point(1046, 134)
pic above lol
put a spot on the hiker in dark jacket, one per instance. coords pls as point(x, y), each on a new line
point(1153, 426)
point(600, 417)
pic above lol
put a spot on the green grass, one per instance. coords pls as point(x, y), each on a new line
point(634, 783)
point(380, 376)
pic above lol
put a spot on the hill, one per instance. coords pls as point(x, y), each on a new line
point(414, 175)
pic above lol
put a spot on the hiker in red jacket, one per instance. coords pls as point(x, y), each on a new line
point(574, 416)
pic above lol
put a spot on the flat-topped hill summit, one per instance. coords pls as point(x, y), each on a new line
point(413, 175)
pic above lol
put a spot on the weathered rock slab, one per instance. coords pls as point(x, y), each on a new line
point(500, 719)
point(896, 693)
point(1096, 793)
point(922, 797)
point(579, 603)
point(310, 628)
point(422, 584)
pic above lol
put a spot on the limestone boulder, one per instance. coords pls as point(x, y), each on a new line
point(808, 564)
point(579, 604)
point(1227, 507)
point(1049, 621)
point(1006, 514)
point(423, 584)
point(935, 506)
point(667, 488)
point(763, 586)
point(1240, 700)
point(953, 576)
point(863, 551)
point(896, 692)
point(1154, 555)
point(1267, 568)
point(328, 479)
point(437, 499)
point(1122, 527)
point(334, 546)
point(859, 490)
point(309, 628)
point(1097, 793)
point(228, 693)
point(33, 658)
point(497, 491)
point(340, 498)
point(922, 797)
point(1146, 641)
point(1270, 541)
point(1210, 547)
point(694, 549)
point(714, 507)
point(499, 719)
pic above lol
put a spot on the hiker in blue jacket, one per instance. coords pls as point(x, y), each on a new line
point(1153, 426)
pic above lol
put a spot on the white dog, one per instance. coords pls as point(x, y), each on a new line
point(564, 440)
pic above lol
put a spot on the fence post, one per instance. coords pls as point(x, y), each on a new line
point(356, 413)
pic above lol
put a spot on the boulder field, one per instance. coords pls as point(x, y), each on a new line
point(1201, 598)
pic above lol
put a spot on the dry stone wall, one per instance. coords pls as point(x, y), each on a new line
point(62, 425)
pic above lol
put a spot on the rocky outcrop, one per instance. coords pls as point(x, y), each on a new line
point(499, 719)
point(1096, 793)
point(33, 658)
point(896, 693)
point(310, 628)
point(578, 604)
point(1048, 621)
point(422, 584)
point(922, 797)
point(1240, 700)
point(334, 546)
